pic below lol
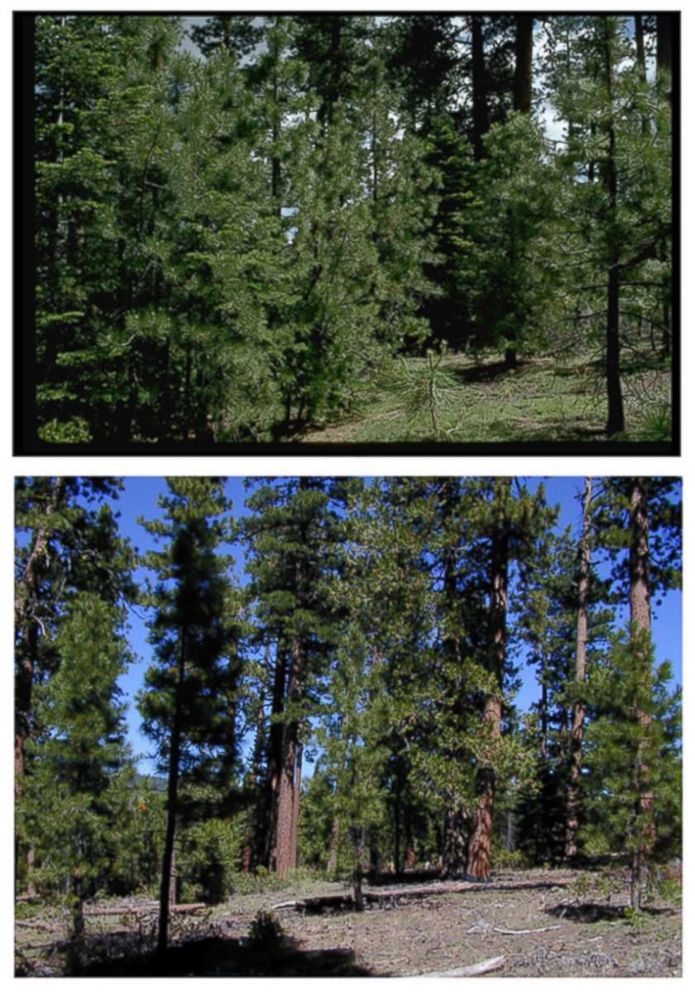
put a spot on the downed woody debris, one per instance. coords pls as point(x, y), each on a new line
point(391, 896)
point(147, 910)
point(481, 968)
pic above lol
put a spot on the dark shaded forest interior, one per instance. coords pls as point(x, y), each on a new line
point(352, 228)
point(424, 701)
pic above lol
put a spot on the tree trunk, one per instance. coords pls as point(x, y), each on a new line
point(284, 854)
point(275, 752)
point(334, 849)
point(359, 840)
point(579, 708)
point(664, 64)
point(664, 43)
point(173, 880)
point(31, 862)
point(252, 853)
point(523, 95)
point(616, 416)
point(455, 854)
point(480, 845)
point(523, 89)
point(639, 47)
point(456, 825)
point(641, 626)
point(275, 164)
point(397, 809)
point(641, 62)
point(165, 895)
point(480, 116)
point(76, 890)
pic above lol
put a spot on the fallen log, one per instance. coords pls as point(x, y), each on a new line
point(189, 907)
point(53, 944)
point(374, 893)
point(36, 925)
point(122, 911)
point(481, 968)
point(380, 896)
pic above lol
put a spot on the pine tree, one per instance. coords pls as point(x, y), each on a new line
point(622, 751)
point(620, 213)
point(292, 537)
point(235, 33)
point(76, 75)
point(67, 543)
point(188, 705)
point(580, 674)
point(102, 135)
point(546, 619)
point(352, 739)
point(511, 274)
point(508, 522)
point(67, 807)
point(641, 527)
point(422, 55)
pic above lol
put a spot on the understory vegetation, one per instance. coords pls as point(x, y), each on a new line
point(247, 227)
point(346, 704)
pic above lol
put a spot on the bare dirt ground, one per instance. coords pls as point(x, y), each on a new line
point(542, 923)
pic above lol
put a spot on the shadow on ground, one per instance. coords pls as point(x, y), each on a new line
point(489, 371)
point(594, 912)
point(558, 431)
point(214, 957)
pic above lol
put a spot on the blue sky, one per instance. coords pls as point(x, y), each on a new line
point(139, 498)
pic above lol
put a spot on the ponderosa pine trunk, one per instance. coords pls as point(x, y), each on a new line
point(257, 828)
point(639, 47)
point(479, 80)
point(664, 43)
point(165, 893)
point(523, 48)
point(276, 127)
point(616, 414)
point(480, 844)
point(579, 707)
point(286, 833)
point(641, 62)
point(455, 853)
point(664, 64)
point(334, 848)
point(641, 627)
point(275, 752)
point(73, 956)
point(284, 855)
point(523, 96)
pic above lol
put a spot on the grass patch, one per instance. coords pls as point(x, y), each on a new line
point(541, 400)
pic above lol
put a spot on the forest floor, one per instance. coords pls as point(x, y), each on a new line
point(540, 923)
point(544, 399)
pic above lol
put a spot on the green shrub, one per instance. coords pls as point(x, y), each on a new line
point(266, 934)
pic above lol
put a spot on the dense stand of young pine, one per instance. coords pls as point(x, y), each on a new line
point(378, 635)
point(237, 234)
